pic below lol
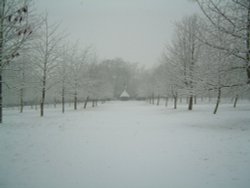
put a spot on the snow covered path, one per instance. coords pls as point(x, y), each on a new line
point(126, 145)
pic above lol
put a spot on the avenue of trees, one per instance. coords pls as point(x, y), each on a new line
point(208, 57)
point(39, 66)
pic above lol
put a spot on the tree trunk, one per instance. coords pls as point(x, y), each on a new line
point(43, 92)
point(75, 100)
point(86, 102)
point(158, 100)
point(21, 100)
point(42, 103)
point(153, 99)
point(36, 105)
point(236, 100)
point(248, 45)
point(22, 87)
point(218, 100)
point(63, 100)
point(1, 99)
point(41, 109)
point(1, 59)
point(190, 103)
point(175, 101)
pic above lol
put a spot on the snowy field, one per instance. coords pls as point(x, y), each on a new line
point(126, 145)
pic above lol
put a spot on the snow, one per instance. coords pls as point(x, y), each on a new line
point(126, 145)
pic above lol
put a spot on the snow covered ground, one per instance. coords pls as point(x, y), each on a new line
point(126, 145)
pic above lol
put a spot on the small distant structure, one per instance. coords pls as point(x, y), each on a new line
point(124, 96)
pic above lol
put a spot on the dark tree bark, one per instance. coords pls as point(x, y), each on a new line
point(86, 102)
point(1, 56)
point(190, 103)
point(175, 101)
point(1, 98)
point(236, 100)
point(21, 100)
point(248, 44)
point(153, 99)
point(22, 88)
point(63, 100)
point(41, 109)
point(75, 100)
point(43, 90)
point(218, 101)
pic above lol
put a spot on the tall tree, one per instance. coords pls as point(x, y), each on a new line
point(187, 31)
point(63, 74)
point(77, 64)
point(181, 57)
point(46, 56)
point(234, 16)
point(14, 32)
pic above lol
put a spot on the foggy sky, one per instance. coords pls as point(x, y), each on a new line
point(135, 30)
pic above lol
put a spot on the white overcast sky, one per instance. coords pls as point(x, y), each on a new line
point(135, 30)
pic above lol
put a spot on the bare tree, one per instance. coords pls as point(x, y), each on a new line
point(46, 56)
point(188, 51)
point(220, 69)
point(24, 78)
point(77, 68)
point(63, 74)
point(14, 32)
point(181, 59)
point(234, 16)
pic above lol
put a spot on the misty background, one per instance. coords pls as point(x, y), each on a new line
point(134, 30)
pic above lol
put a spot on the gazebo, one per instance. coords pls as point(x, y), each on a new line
point(124, 96)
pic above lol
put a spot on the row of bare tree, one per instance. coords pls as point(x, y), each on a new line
point(38, 65)
point(209, 54)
